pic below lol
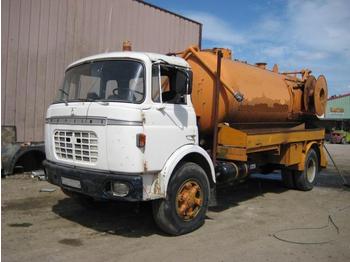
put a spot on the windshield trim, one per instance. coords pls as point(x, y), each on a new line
point(75, 100)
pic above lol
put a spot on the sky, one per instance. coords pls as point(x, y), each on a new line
point(295, 34)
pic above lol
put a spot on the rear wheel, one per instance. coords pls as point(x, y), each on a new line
point(184, 208)
point(302, 180)
point(305, 180)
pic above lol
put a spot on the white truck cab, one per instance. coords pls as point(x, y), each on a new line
point(123, 128)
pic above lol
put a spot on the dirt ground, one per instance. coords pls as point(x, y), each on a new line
point(44, 226)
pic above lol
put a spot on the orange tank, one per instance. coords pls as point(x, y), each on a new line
point(268, 96)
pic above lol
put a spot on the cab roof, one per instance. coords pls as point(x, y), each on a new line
point(133, 55)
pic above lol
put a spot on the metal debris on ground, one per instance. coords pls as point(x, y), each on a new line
point(49, 190)
point(39, 174)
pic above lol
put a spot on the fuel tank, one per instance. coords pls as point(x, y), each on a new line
point(251, 93)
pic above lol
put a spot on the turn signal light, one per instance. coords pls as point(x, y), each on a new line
point(141, 140)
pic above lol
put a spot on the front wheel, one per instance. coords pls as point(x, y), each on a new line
point(184, 208)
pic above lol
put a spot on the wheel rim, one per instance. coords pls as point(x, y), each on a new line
point(189, 200)
point(311, 170)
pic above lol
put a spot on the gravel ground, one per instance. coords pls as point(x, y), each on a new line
point(48, 226)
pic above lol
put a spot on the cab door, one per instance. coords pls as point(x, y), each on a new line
point(170, 122)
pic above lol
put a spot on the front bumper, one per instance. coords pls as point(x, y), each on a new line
point(94, 183)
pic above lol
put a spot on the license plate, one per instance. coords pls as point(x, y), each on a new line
point(71, 182)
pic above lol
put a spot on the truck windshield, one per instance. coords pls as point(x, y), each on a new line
point(114, 80)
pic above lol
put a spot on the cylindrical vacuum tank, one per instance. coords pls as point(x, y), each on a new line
point(267, 96)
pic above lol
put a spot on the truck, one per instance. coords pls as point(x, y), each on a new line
point(137, 126)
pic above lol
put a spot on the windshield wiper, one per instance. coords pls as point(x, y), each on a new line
point(75, 99)
point(63, 100)
point(65, 93)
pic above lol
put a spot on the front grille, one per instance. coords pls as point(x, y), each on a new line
point(76, 145)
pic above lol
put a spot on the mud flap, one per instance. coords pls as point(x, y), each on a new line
point(212, 201)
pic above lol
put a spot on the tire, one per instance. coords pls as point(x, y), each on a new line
point(188, 189)
point(85, 201)
point(305, 180)
point(288, 178)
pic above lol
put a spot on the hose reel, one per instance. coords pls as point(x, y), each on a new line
point(315, 95)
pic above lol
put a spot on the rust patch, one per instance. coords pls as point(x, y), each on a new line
point(189, 200)
point(157, 190)
point(264, 108)
point(145, 168)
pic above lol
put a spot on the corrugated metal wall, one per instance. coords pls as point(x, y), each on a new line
point(39, 38)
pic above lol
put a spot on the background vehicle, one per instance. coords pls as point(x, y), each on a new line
point(340, 137)
point(140, 126)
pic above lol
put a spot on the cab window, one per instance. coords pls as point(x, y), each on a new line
point(170, 85)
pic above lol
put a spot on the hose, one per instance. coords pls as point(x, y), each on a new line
point(336, 167)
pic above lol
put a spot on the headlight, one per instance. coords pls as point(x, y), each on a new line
point(120, 189)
